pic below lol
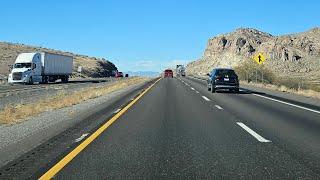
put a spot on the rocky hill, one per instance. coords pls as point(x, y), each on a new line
point(92, 67)
point(294, 55)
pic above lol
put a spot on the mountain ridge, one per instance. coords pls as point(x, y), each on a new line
point(295, 54)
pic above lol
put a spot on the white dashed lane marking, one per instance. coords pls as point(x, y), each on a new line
point(205, 98)
point(81, 137)
point(219, 107)
point(254, 134)
point(116, 111)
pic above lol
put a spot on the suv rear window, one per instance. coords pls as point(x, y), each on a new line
point(168, 71)
point(225, 72)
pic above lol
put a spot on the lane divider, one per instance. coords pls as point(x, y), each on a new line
point(254, 134)
point(205, 98)
point(219, 107)
point(192, 88)
point(64, 161)
point(116, 111)
point(81, 137)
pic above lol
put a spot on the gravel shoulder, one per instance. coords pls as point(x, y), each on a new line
point(18, 139)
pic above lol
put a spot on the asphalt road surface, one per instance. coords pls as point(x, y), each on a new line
point(180, 130)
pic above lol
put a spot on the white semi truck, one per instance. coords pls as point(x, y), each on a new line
point(180, 70)
point(41, 67)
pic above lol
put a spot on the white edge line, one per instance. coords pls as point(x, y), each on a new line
point(301, 107)
point(254, 134)
point(205, 98)
point(219, 107)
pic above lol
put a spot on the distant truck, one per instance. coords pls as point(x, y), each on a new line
point(180, 70)
point(41, 67)
point(168, 73)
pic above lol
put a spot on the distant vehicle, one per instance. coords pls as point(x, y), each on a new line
point(127, 75)
point(180, 70)
point(168, 73)
point(223, 78)
point(119, 74)
point(41, 67)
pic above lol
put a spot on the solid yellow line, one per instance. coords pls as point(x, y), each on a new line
point(63, 162)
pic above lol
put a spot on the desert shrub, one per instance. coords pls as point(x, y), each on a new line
point(250, 71)
point(297, 84)
point(291, 83)
point(315, 87)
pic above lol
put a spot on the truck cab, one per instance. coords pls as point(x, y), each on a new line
point(26, 69)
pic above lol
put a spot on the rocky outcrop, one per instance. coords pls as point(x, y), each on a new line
point(293, 54)
point(91, 66)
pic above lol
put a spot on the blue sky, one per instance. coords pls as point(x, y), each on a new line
point(144, 34)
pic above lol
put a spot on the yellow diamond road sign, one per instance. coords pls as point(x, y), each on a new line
point(259, 58)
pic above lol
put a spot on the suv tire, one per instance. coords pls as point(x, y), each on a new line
point(209, 88)
point(213, 89)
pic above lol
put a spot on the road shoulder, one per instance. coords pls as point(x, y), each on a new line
point(21, 138)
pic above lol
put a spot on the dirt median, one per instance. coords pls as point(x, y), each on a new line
point(18, 112)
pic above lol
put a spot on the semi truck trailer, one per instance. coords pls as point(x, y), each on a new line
point(41, 67)
point(180, 70)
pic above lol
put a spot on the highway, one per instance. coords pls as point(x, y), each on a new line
point(178, 129)
point(173, 131)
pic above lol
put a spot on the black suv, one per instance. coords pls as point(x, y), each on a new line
point(223, 78)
